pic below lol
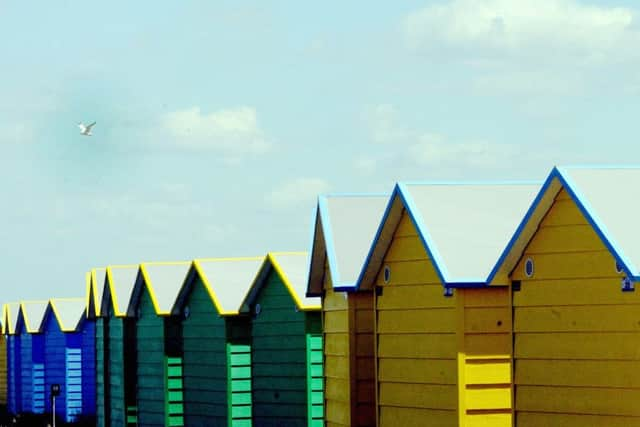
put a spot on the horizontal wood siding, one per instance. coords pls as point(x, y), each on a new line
point(3, 370)
point(279, 359)
point(55, 366)
point(576, 333)
point(88, 331)
point(416, 338)
point(362, 364)
point(101, 358)
point(484, 357)
point(14, 374)
point(26, 373)
point(150, 372)
point(315, 370)
point(335, 323)
point(116, 382)
point(204, 362)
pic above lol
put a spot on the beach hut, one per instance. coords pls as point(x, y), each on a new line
point(159, 395)
point(216, 341)
point(9, 318)
point(344, 228)
point(118, 348)
point(442, 317)
point(573, 266)
point(30, 360)
point(69, 362)
point(286, 344)
point(95, 284)
point(3, 365)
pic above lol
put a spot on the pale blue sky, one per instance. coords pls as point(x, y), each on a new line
point(219, 123)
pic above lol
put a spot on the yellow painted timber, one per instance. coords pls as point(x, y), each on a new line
point(417, 417)
point(429, 396)
point(429, 346)
point(576, 335)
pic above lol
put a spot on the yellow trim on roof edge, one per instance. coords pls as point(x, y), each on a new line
point(287, 283)
point(52, 302)
point(24, 313)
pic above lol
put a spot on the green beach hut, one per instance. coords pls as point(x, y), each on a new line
point(216, 342)
point(117, 347)
point(158, 344)
point(95, 285)
point(286, 344)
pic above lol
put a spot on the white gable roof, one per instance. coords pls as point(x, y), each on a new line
point(33, 314)
point(228, 280)
point(164, 281)
point(293, 270)
point(68, 312)
point(467, 226)
point(121, 280)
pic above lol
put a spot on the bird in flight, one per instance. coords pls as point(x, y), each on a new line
point(86, 129)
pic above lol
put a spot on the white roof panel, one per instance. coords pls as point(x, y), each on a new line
point(33, 312)
point(294, 267)
point(69, 312)
point(350, 225)
point(606, 194)
point(12, 309)
point(230, 279)
point(166, 279)
point(467, 226)
point(123, 280)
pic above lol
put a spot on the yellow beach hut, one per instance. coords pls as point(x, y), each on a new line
point(344, 227)
point(573, 266)
point(442, 334)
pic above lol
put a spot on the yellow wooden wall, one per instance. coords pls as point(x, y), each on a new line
point(362, 361)
point(416, 343)
point(349, 361)
point(3, 370)
point(335, 325)
point(577, 336)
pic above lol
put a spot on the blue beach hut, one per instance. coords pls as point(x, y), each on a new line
point(69, 358)
point(30, 342)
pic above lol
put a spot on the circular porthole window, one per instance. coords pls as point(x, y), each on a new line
point(619, 268)
point(528, 267)
point(186, 312)
point(387, 274)
point(257, 309)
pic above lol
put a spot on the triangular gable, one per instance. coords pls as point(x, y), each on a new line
point(32, 314)
point(291, 267)
point(464, 227)
point(68, 312)
point(163, 281)
point(10, 317)
point(95, 289)
point(344, 227)
point(595, 191)
point(118, 289)
point(227, 281)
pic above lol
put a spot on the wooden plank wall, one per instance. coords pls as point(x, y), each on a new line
point(576, 334)
point(116, 383)
point(205, 361)
point(415, 338)
point(150, 373)
point(279, 358)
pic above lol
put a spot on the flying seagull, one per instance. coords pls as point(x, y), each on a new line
point(86, 129)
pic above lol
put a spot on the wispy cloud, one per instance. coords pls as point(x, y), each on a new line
point(233, 131)
point(421, 147)
point(297, 191)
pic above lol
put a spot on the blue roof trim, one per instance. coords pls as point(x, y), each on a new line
point(585, 209)
point(601, 229)
point(328, 238)
point(385, 216)
point(521, 226)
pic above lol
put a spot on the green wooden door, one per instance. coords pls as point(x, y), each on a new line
point(239, 378)
point(315, 380)
point(174, 408)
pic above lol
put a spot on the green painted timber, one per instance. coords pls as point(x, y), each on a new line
point(174, 408)
point(204, 360)
point(279, 353)
point(116, 371)
point(239, 384)
point(150, 364)
point(315, 373)
point(100, 374)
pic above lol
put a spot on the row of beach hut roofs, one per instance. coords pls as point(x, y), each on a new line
point(445, 304)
